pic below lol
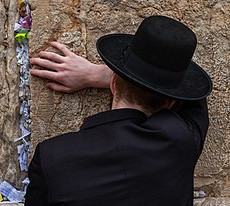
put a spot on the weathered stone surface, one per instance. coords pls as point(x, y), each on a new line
point(212, 202)
point(79, 23)
point(54, 113)
point(9, 107)
point(213, 168)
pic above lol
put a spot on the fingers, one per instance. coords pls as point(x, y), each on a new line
point(52, 56)
point(62, 48)
point(46, 63)
point(52, 60)
point(59, 87)
point(45, 74)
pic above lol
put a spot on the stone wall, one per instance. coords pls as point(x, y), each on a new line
point(9, 104)
point(78, 24)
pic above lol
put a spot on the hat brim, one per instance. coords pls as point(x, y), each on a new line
point(196, 84)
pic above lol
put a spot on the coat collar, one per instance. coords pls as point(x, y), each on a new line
point(111, 116)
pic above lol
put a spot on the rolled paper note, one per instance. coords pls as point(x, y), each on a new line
point(21, 36)
point(26, 22)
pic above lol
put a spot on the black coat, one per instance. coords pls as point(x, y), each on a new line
point(121, 158)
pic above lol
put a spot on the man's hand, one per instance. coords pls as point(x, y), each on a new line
point(70, 72)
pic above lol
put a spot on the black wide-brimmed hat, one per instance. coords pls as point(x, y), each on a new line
point(157, 58)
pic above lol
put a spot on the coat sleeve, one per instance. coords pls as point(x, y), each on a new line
point(195, 114)
point(37, 191)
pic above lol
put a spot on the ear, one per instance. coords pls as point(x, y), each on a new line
point(113, 83)
point(169, 104)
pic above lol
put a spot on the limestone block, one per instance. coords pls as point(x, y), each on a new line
point(9, 107)
point(213, 168)
point(212, 202)
point(78, 24)
point(55, 113)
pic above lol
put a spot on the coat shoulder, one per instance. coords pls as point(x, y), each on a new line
point(60, 139)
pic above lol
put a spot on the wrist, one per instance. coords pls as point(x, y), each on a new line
point(100, 76)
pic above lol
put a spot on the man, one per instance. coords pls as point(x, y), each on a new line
point(142, 152)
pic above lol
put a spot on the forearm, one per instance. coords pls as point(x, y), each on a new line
point(196, 112)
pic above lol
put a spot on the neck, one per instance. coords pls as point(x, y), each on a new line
point(124, 105)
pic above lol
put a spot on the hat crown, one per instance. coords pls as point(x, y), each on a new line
point(164, 43)
point(158, 58)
